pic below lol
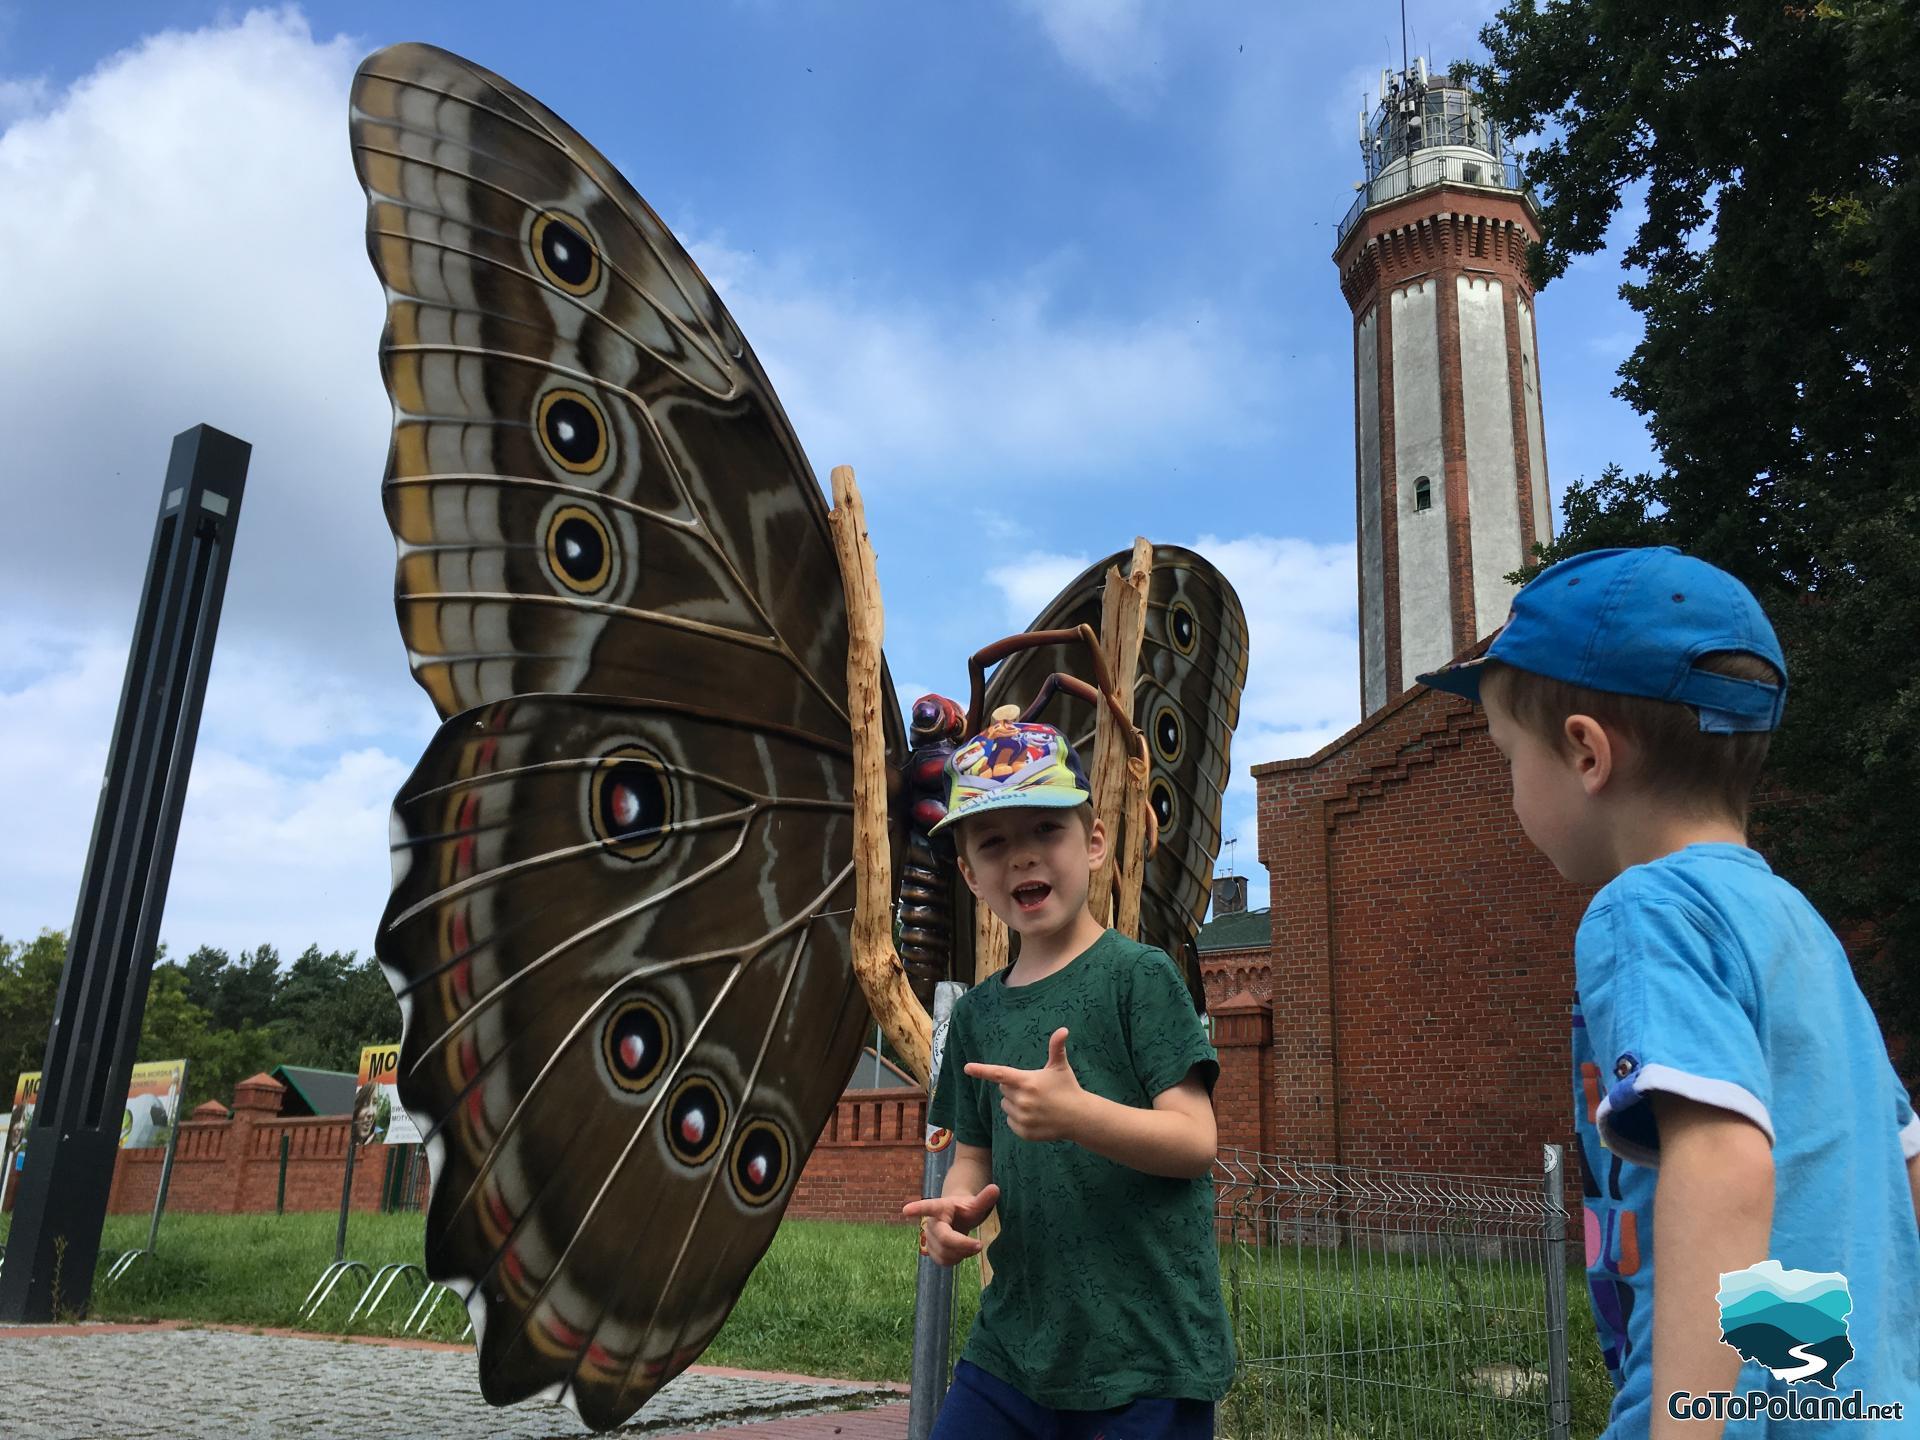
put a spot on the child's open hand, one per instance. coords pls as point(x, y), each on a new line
point(945, 1220)
point(1043, 1104)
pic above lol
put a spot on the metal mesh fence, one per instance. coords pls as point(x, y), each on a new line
point(1381, 1303)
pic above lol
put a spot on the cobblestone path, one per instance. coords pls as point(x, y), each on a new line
point(146, 1383)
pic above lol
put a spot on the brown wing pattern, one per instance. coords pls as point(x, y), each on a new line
point(590, 479)
point(1193, 664)
point(623, 869)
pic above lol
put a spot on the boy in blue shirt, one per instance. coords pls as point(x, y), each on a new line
point(1738, 1116)
point(1104, 1318)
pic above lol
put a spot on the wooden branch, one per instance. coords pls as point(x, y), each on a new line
point(990, 943)
point(1119, 773)
point(875, 963)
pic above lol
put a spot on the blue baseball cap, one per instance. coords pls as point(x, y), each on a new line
point(1635, 622)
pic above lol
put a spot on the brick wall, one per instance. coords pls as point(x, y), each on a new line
point(867, 1162)
point(1422, 951)
point(227, 1165)
point(1227, 973)
point(1243, 1095)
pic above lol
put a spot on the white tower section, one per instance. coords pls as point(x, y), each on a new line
point(1449, 446)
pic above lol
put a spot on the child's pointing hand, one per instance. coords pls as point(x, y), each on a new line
point(945, 1221)
point(1043, 1104)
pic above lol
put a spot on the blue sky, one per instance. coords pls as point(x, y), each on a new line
point(1048, 273)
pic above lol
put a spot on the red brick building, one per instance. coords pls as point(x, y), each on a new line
point(1422, 955)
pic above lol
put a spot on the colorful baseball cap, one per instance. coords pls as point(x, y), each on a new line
point(1635, 622)
point(1013, 765)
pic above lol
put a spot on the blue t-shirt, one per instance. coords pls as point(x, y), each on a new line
point(1705, 975)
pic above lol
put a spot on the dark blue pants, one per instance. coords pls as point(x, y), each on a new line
point(980, 1406)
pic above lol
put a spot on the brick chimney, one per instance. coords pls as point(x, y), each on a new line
point(1229, 895)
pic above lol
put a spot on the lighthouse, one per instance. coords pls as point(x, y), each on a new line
point(1450, 455)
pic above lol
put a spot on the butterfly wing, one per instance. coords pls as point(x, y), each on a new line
point(623, 869)
point(1186, 698)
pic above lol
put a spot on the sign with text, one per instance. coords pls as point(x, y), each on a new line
point(146, 1121)
point(378, 1116)
point(26, 1094)
point(153, 1104)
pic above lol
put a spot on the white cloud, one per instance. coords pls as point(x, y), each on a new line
point(283, 835)
point(183, 241)
point(21, 97)
point(1114, 43)
point(1028, 583)
point(918, 389)
point(1303, 672)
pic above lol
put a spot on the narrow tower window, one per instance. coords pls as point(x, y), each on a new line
point(1423, 494)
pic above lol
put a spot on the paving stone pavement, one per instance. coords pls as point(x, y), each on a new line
point(221, 1385)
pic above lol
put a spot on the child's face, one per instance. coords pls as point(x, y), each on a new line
point(1549, 798)
point(1032, 868)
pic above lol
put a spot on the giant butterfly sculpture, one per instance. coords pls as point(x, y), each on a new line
point(622, 870)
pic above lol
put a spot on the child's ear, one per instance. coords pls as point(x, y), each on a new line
point(966, 870)
point(1591, 751)
point(1097, 842)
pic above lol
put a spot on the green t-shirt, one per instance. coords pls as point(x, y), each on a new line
point(1106, 1280)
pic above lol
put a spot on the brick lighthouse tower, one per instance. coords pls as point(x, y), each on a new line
point(1451, 459)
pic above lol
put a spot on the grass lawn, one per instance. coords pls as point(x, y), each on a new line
point(828, 1299)
point(835, 1299)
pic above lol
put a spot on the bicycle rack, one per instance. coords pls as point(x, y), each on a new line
point(324, 1286)
point(422, 1316)
point(118, 1270)
point(379, 1285)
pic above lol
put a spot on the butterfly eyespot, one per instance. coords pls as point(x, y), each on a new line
point(636, 1044)
point(579, 549)
point(696, 1116)
point(564, 254)
point(761, 1159)
point(1166, 734)
point(1160, 796)
point(572, 431)
point(1182, 627)
point(630, 803)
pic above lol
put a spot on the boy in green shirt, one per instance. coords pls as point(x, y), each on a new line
point(1076, 1084)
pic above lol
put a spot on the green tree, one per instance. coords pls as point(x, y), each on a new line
point(245, 989)
point(29, 985)
point(174, 1028)
point(329, 1005)
point(1777, 272)
point(203, 970)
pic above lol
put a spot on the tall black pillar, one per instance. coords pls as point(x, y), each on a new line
point(75, 1135)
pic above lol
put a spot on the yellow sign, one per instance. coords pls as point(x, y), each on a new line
point(146, 1121)
point(378, 1116)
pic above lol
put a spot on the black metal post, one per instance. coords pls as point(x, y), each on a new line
point(1559, 1393)
point(116, 925)
point(166, 1165)
point(280, 1200)
point(933, 1283)
point(346, 1200)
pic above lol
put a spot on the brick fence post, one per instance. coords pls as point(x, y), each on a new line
point(1243, 1096)
point(255, 1101)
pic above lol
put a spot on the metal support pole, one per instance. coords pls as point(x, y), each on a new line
point(280, 1198)
point(1559, 1402)
point(166, 1165)
point(346, 1202)
point(103, 988)
point(933, 1289)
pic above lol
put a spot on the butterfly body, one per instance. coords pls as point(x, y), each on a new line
point(623, 868)
point(927, 878)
